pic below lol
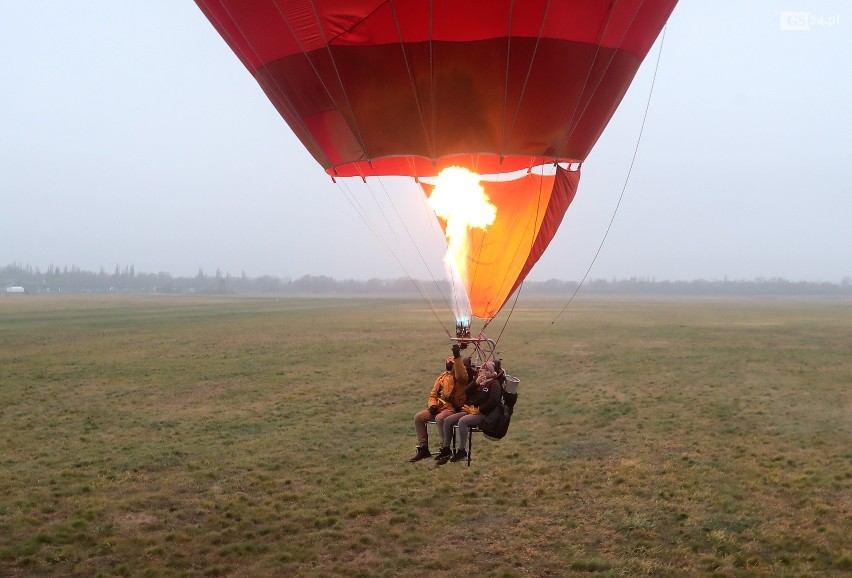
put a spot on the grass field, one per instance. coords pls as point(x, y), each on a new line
point(190, 436)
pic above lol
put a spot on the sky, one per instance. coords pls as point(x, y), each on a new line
point(130, 134)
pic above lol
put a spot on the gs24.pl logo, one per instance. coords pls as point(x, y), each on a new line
point(807, 21)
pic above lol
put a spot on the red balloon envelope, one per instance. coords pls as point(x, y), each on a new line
point(409, 87)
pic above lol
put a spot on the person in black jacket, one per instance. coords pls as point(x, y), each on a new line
point(483, 398)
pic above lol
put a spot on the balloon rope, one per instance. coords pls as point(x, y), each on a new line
point(362, 213)
point(506, 135)
point(509, 316)
point(427, 136)
point(601, 34)
point(414, 93)
point(621, 196)
point(411, 238)
point(279, 96)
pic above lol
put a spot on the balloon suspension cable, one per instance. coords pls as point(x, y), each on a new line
point(412, 239)
point(509, 316)
point(439, 237)
point(417, 285)
point(620, 198)
point(363, 215)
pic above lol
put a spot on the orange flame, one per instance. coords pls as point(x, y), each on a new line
point(460, 200)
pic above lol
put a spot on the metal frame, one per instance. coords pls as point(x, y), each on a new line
point(484, 349)
point(470, 432)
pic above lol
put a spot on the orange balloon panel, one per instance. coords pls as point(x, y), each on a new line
point(529, 210)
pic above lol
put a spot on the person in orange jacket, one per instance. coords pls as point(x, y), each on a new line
point(446, 398)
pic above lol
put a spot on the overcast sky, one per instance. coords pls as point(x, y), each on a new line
point(130, 134)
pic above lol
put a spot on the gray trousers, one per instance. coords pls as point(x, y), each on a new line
point(465, 421)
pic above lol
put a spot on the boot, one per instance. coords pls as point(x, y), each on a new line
point(459, 455)
point(445, 452)
point(422, 453)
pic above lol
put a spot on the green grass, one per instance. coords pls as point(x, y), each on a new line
point(191, 436)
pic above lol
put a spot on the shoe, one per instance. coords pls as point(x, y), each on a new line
point(441, 460)
point(422, 453)
point(444, 452)
point(459, 455)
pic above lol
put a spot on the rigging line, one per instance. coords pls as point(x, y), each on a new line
point(601, 36)
point(411, 279)
point(429, 142)
point(432, 103)
point(280, 95)
point(527, 77)
point(509, 316)
point(393, 254)
point(380, 208)
point(413, 241)
point(385, 217)
point(506, 79)
point(621, 196)
point(351, 197)
point(440, 241)
point(316, 73)
point(356, 205)
point(352, 123)
point(600, 79)
point(411, 79)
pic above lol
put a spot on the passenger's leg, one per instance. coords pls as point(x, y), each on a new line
point(420, 419)
point(465, 423)
point(449, 422)
point(439, 422)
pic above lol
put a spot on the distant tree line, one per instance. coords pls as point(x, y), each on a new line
point(637, 286)
point(126, 280)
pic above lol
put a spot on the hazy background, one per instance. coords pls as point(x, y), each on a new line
point(130, 134)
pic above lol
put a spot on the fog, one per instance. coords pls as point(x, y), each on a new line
point(130, 134)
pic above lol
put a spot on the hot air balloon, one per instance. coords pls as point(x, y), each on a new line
point(414, 87)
